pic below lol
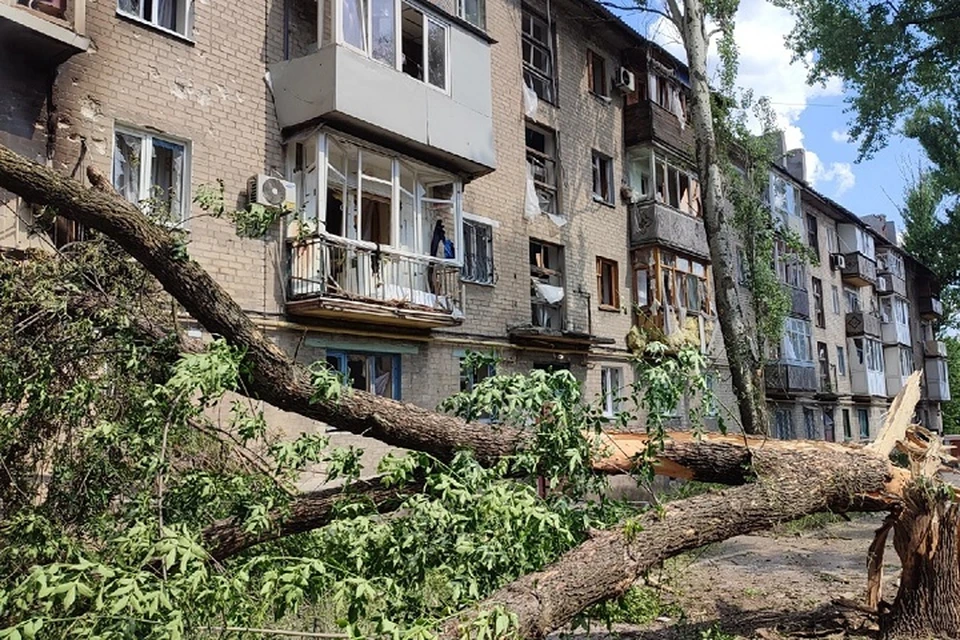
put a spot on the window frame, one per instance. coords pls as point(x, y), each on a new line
point(661, 262)
point(847, 425)
point(548, 160)
point(423, 176)
point(820, 314)
point(601, 169)
point(610, 392)
point(863, 422)
point(366, 50)
point(471, 240)
point(799, 331)
point(152, 22)
point(835, 295)
point(841, 361)
point(144, 188)
point(595, 60)
point(547, 78)
point(342, 356)
point(614, 270)
point(481, 13)
point(547, 275)
point(813, 234)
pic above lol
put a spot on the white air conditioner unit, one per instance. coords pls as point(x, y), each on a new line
point(838, 262)
point(625, 80)
point(272, 192)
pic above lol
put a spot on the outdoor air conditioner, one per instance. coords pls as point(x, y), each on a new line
point(625, 80)
point(272, 192)
point(837, 261)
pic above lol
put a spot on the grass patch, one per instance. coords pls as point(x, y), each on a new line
point(807, 524)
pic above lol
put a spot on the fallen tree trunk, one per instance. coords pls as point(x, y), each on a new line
point(791, 484)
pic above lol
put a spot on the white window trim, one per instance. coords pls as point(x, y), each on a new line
point(322, 139)
point(367, 52)
point(187, 35)
point(146, 138)
point(472, 217)
point(611, 401)
point(482, 10)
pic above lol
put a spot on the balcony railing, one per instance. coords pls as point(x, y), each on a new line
point(935, 349)
point(657, 223)
point(859, 270)
point(333, 271)
point(780, 377)
point(860, 323)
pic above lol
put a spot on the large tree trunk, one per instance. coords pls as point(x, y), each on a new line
point(793, 483)
point(746, 367)
point(927, 539)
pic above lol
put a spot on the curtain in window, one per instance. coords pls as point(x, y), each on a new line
point(129, 6)
point(126, 166)
point(167, 14)
point(354, 21)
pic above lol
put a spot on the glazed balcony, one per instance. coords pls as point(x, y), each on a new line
point(420, 83)
point(44, 31)
point(353, 281)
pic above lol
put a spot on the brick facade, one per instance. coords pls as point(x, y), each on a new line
point(211, 92)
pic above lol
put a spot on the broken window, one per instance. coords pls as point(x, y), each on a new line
point(374, 373)
point(672, 185)
point(542, 166)
point(597, 74)
point(383, 199)
point(477, 252)
point(547, 292)
point(151, 171)
point(818, 307)
point(537, 52)
point(171, 15)
point(602, 177)
point(683, 281)
point(608, 284)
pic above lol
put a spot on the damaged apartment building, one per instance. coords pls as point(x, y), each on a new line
point(470, 175)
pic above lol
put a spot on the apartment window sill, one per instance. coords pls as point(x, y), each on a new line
point(488, 285)
point(606, 100)
point(601, 200)
point(156, 28)
point(609, 308)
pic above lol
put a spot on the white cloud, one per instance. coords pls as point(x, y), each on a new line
point(767, 67)
point(838, 176)
point(840, 136)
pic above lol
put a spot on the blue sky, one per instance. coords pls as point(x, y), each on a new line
point(811, 117)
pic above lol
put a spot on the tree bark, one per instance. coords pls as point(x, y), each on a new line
point(792, 483)
point(746, 366)
point(926, 536)
point(307, 512)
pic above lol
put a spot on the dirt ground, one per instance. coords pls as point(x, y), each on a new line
point(782, 584)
